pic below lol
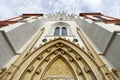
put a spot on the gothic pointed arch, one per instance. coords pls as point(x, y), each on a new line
point(57, 31)
point(64, 31)
point(59, 59)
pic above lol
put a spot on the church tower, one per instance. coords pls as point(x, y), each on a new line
point(60, 46)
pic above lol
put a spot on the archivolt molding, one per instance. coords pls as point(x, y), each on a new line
point(82, 65)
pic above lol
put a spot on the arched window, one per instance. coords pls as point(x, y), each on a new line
point(57, 31)
point(64, 31)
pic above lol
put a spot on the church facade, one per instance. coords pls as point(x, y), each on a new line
point(60, 46)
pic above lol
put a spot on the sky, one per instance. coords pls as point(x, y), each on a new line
point(13, 8)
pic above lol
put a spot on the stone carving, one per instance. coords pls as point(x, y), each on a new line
point(83, 48)
point(47, 59)
point(79, 72)
point(62, 52)
point(87, 69)
point(58, 68)
point(71, 59)
point(48, 50)
point(38, 71)
point(56, 52)
point(35, 48)
point(69, 49)
point(39, 57)
point(59, 78)
point(30, 68)
point(4, 77)
point(40, 44)
point(115, 73)
point(78, 57)
point(61, 45)
point(3, 70)
point(57, 45)
point(8, 72)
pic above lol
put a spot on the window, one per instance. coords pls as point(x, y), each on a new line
point(64, 31)
point(60, 31)
point(57, 31)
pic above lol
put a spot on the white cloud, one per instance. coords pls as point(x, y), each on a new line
point(94, 5)
point(115, 11)
point(5, 11)
point(12, 8)
point(94, 2)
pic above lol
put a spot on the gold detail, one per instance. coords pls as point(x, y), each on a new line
point(59, 68)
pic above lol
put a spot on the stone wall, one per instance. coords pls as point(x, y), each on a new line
point(6, 53)
point(113, 53)
point(97, 34)
point(13, 38)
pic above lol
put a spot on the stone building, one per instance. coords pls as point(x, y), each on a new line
point(60, 46)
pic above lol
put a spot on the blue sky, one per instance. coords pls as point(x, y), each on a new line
point(12, 8)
